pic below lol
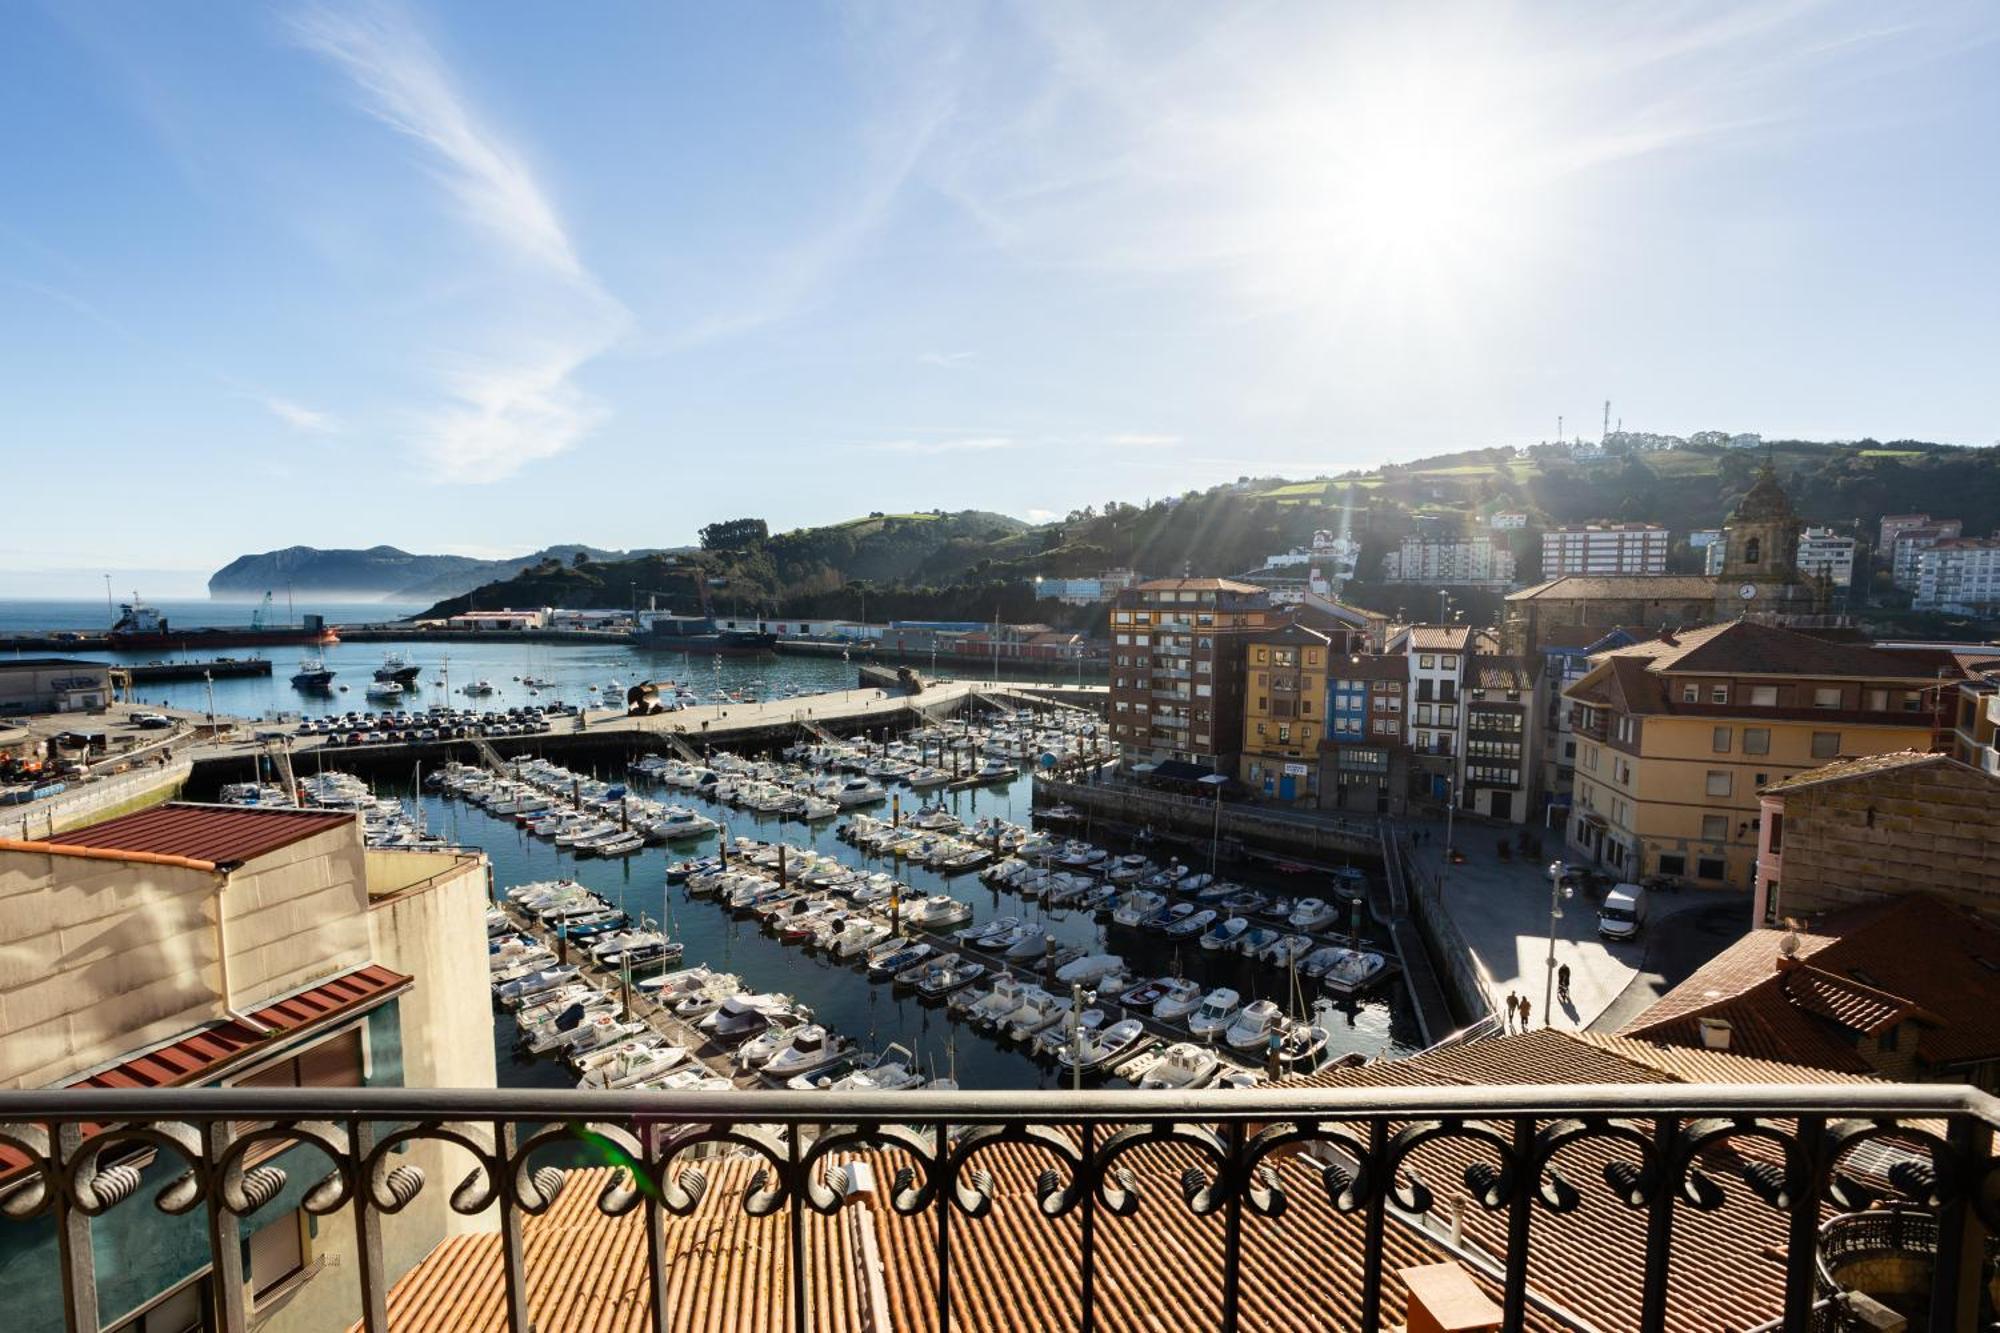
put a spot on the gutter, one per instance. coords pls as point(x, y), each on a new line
point(39, 847)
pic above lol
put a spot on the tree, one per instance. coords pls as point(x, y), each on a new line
point(579, 560)
point(735, 534)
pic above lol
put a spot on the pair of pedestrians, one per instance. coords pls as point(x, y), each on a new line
point(1521, 1008)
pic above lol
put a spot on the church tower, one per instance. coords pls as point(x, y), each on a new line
point(1760, 574)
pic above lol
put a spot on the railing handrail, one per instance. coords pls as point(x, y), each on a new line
point(1845, 1100)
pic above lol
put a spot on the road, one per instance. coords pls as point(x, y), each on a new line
point(1681, 938)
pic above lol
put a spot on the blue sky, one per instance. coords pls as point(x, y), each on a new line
point(483, 277)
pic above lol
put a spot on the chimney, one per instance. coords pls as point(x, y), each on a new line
point(1445, 1299)
point(1715, 1033)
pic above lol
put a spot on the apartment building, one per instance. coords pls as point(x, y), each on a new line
point(1434, 660)
point(1676, 736)
point(1604, 549)
point(1502, 738)
point(1958, 576)
point(1284, 712)
point(1177, 669)
point(1906, 553)
point(1364, 756)
point(1824, 553)
point(204, 946)
point(1566, 652)
point(1894, 526)
point(1470, 561)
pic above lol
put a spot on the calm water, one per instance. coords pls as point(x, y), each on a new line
point(840, 994)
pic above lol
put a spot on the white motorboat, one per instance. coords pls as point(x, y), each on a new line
point(893, 1071)
point(386, 690)
point(1355, 970)
point(1183, 1065)
point(1310, 914)
point(1028, 941)
point(811, 1050)
point(1036, 1011)
point(1137, 907)
point(1192, 924)
point(1104, 1048)
point(999, 1004)
point(1225, 933)
point(1288, 950)
point(1215, 1013)
point(937, 911)
point(1254, 1025)
point(1090, 969)
point(1180, 997)
point(631, 1065)
point(1129, 869)
point(744, 1015)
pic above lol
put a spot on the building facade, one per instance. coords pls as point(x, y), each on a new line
point(1364, 756)
point(1470, 561)
point(53, 685)
point(1676, 736)
point(1906, 553)
point(1826, 554)
point(1958, 576)
point(1284, 713)
point(1177, 669)
point(1502, 738)
point(1604, 549)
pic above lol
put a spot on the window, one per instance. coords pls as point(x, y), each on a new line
point(1753, 551)
point(1709, 867)
point(1778, 832)
point(1912, 701)
point(1756, 740)
point(1690, 693)
point(1720, 782)
point(1284, 733)
point(1448, 663)
point(1718, 694)
point(1827, 696)
point(1424, 714)
point(1763, 696)
point(277, 1252)
point(1878, 701)
point(1719, 741)
point(1826, 745)
point(1673, 863)
point(1427, 662)
point(1305, 707)
point(1714, 828)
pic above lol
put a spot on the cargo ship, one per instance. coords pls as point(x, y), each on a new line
point(141, 628)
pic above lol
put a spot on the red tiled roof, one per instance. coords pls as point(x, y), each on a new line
point(1845, 769)
point(1914, 958)
point(1620, 587)
point(225, 835)
point(1440, 638)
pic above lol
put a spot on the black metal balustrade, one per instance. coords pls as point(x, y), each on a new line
point(1664, 1143)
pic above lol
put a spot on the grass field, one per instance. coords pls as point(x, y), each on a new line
point(1892, 453)
point(1463, 470)
point(883, 518)
point(1297, 490)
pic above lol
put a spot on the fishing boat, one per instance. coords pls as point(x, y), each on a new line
point(1179, 997)
point(1355, 970)
point(1253, 1026)
point(1097, 1050)
point(1216, 1012)
point(313, 675)
point(1183, 1065)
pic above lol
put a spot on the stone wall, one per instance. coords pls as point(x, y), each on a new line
point(1934, 828)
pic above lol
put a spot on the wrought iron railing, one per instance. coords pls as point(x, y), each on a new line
point(1661, 1151)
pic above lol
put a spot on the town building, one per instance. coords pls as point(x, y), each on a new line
point(1502, 738)
point(1667, 602)
point(31, 685)
point(1676, 736)
point(1824, 553)
point(1364, 755)
point(1458, 561)
point(1906, 553)
point(1860, 830)
point(1903, 988)
point(1284, 712)
point(1604, 549)
point(1434, 656)
point(206, 946)
point(1085, 591)
point(513, 620)
point(1566, 652)
point(1760, 575)
point(1177, 669)
point(1894, 526)
point(1957, 576)
point(1507, 520)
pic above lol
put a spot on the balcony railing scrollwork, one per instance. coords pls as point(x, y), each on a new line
point(1244, 1156)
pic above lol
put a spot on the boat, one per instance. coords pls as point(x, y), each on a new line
point(809, 1050)
point(1254, 941)
point(999, 1004)
point(1254, 1024)
point(140, 627)
point(892, 1071)
point(386, 690)
point(942, 977)
point(902, 956)
point(1037, 1010)
point(1129, 869)
point(1288, 950)
point(1179, 997)
point(1354, 971)
point(398, 668)
point(1069, 1029)
point(1144, 995)
point(632, 1065)
point(1310, 914)
point(1097, 1050)
point(1183, 1065)
point(920, 969)
point(1192, 924)
point(1215, 1013)
point(479, 687)
point(1225, 933)
point(1027, 941)
point(1137, 907)
point(743, 1015)
point(937, 911)
point(313, 674)
point(1090, 969)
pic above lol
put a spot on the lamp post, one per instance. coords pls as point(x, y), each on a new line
point(1557, 892)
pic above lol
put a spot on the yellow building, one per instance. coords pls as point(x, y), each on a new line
point(1284, 712)
point(1676, 736)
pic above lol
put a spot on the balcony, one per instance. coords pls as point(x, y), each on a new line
point(1293, 1208)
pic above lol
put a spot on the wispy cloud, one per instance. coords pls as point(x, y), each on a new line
point(300, 417)
point(513, 399)
point(946, 360)
point(969, 445)
point(1140, 440)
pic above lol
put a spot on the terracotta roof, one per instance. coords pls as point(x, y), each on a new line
point(1749, 647)
point(208, 1052)
point(1370, 666)
point(1845, 770)
point(1498, 673)
point(223, 835)
point(1619, 587)
point(1440, 638)
point(1195, 585)
point(1912, 958)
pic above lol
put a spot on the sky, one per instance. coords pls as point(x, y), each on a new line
point(482, 277)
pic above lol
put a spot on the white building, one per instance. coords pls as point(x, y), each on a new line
point(1508, 521)
point(1457, 560)
point(1959, 575)
point(1906, 553)
point(1101, 588)
point(1605, 549)
point(1703, 538)
point(1824, 551)
point(1717, 552)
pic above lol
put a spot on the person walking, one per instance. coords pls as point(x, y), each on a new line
point(1513, 1005)
point(1562, 983)
point(1527, 1007)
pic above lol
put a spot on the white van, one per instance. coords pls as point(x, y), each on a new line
point(1623, 913)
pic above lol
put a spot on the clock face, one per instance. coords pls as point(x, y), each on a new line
point(1747, 591)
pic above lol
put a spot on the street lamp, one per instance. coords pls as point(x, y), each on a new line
point(1557, 892)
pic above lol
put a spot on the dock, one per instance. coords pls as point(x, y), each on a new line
point(143, 673)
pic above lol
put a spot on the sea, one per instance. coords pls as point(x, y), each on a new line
point(839, 994)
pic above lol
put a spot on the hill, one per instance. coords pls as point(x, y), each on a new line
point(379, 572)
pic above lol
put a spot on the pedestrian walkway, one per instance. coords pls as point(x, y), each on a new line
point(1501, 910)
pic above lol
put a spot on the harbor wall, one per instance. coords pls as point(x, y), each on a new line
point(94, 801)
point(1192, 820)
